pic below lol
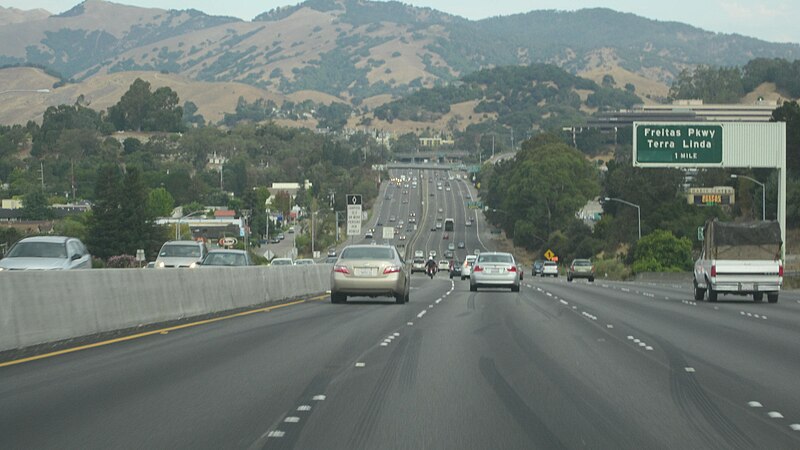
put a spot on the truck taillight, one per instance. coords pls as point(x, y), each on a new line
point(713, 270)
point(780, 270)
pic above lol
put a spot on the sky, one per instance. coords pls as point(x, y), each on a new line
point(770, 20)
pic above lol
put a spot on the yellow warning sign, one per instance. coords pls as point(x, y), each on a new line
point(549, 255)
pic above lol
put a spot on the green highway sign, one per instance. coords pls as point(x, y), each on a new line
point(474, 205)
point(677, 143)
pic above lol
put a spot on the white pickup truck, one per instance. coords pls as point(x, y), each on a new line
point(739, 259)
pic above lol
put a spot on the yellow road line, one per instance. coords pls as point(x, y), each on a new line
point(159, 331)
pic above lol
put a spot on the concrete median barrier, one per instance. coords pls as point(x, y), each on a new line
point(43, 307)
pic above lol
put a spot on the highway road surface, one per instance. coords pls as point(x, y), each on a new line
point(557, 365)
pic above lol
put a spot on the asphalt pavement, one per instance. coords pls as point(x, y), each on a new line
point(557, 365)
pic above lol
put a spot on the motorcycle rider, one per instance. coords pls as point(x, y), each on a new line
point(430, 267)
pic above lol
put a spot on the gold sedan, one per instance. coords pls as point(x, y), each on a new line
point(370, 271)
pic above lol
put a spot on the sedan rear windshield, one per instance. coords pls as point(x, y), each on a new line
point(38, 250)
point(582, 263)
point(225, 259)
point(495, 259)
point(367, 253)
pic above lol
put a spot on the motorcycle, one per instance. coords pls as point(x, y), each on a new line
point(431, 271)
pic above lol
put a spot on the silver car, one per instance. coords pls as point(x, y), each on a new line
point(181, 254)
point(227, 258)
point(372, 271)
point(47, 253)
point(494, 269)
point(466, 266)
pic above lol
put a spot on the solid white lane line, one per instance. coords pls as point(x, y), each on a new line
point(291, 419)
point(775, 415)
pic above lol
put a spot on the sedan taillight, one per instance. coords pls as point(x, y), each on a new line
point(512, 269)
point(391, 269)
point(341, 269)
point(477, 268)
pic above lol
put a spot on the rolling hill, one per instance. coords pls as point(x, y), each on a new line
point(365, 53)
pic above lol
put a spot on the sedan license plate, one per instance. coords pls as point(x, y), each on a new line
point(365, 271)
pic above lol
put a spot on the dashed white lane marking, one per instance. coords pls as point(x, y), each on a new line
point(795, 426)
point(361, 364)
point(384, 344)
point(630, 338)
point(549, 294)
point(689, 302)
point(396, 335)
point(439, 301)
point(649, 348)
point(625, 289)
point(647, 294)
point(609, 326)
point(575, 307)
point(564, 302)
point(422, 313)
point(585, 314)
point(292, 419)
point(755, 404)
point(775, 415)
point(411, 324)
point(304, 408)
point(689, 369)
point(430, 306)
point(318, 398)
point(276, 434)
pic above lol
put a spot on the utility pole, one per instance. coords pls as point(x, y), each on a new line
point(492, 146)
point(41, 173)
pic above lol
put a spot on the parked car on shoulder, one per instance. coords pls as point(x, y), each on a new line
point(581, 268)
point(47, 253)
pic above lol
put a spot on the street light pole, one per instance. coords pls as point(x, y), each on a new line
point(763, 193)
point(638, 211)
point(178, 227)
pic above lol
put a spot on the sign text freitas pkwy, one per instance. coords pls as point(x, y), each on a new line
point(678, 144)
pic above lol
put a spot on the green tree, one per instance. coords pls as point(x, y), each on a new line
point(160, 202)
point(120, 222)
point(142, 110)
point(789, 112)
point(661, 251)
point(35, 206)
